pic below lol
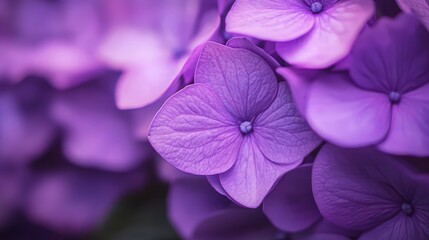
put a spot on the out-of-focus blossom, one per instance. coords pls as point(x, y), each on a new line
point(382, 100)
point(26, 130)
point(11, 187)
point(364, 189)
point(96, 133)
point(151, 46)
point(76, 201)
point(309, 33)
point(418, 7)
point(236, 121)
point(46, 38)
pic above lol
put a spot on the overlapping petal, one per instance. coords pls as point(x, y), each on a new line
point(274, 20)
point(346, 115)
point(280, 132)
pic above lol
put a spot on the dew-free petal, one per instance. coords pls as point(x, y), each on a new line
point(291, 206)
point(280, 132)
point(359, 188)
point(244, 82)
point(392, 56)
point(195, 133)
point(409, 132)
point(346, 115)
point(253, 175)
point(332, 36)
point(419, 7)
point(274, 20)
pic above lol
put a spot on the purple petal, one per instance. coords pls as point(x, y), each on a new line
point(290, 206)
point(245, 43)
point(190, 202)
point(399, 227)
point(418, 7)
point(346, 115)
point(359, 188)
point(195, 133)
point(409, 131)
point(244, 82)
point(97, 134)
point(392, 56)
point(273, 20)
point(281, 134)
point(299, 80)
point(235, 224)
point(252, 176)
point(332, 36)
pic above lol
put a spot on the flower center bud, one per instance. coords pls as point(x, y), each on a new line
point(246, 127)
point(394, 97)
point(316, 7)
point(407, 209)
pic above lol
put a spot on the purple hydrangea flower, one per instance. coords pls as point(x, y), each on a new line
point(26, 130)
point(419, 7)
point(384, 99)
point(363, 189)
point(291, 206)
point(309, 33)
point(96, 133)
point(76, 201)
point(151, 41)
point(236, 122)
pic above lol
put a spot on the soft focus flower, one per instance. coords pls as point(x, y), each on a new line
point(236, 121)
point(96, 133)
point(74, 200)
point(384, 98)
point(151, 46)
point(309, 33)
point(364, 189)
point(11, 188)
point(26, 130)
point(419, 7)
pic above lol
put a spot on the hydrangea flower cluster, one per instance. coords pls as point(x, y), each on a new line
point(241, 119)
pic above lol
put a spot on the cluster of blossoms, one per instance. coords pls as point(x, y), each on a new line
point(268, 119)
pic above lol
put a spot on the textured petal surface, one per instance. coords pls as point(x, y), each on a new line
point(332, 36)
point(252, 176)
point(290, 206)
point(274, 20)
point(244, 82)
point(281, 134)
point(345, 114)
point(190, 202)
point(359, 188)
point(392, 56)
point(409, 131)
point(195, 133)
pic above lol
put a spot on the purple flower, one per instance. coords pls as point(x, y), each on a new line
point(198, 212)
point(26, 130)
point(309, 33)
point(419, 7)
point(96, 133)
point(384, 99)
point(151, 42)
point(363, 189)
point(290, 206)
point(76, 201)
point(236, 122)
